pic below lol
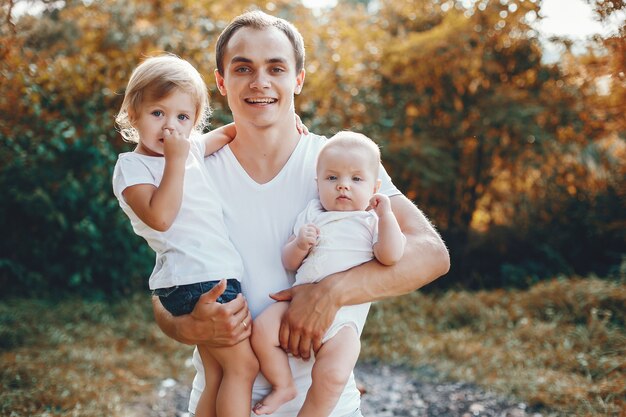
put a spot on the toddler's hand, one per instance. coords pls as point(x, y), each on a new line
point(175, 145)
point(300, 126)
point(307, 236)
point(380, 204)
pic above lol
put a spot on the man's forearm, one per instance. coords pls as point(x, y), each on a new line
point(425, 259)
point(167, 322)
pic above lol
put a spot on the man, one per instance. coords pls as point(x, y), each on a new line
point(266, 177)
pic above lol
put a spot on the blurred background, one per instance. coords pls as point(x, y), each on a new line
point(503, 120)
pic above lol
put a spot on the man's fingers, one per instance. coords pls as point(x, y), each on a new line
point(317, 344)
point(241, 318)
point(283, 336)
point(215, 292)
point(305, 348)
point(284, 295)
point(294, 344)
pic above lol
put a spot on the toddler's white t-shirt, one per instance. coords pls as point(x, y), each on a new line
point(196, 247)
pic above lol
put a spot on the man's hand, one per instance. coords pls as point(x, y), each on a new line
point(310, 314)
point(210, 323)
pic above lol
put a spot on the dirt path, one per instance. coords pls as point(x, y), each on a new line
point(389, 391)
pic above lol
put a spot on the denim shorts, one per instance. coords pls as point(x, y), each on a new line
point(181, 299)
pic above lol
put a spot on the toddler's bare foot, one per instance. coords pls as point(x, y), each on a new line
point(274, 400)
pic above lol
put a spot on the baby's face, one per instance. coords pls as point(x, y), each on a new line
point(345, 179)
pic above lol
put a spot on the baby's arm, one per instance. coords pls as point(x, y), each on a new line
point(390, 246)
point(158, 206)
point(218, 138)
point(299, 246)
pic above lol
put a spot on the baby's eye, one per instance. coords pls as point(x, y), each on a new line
point(332, 177)
point(357, 179)
point(157, 113)
point(183, 117)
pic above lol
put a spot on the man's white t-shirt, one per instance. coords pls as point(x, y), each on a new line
point(260, 219)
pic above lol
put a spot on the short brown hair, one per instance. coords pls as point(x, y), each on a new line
point(257, 19)
point(157, 77)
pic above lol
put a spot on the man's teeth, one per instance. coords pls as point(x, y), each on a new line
point(261, 100)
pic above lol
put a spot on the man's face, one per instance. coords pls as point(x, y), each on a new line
point(260, 78)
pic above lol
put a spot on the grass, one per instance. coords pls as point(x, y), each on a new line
point(79, 358)
point(561, 345)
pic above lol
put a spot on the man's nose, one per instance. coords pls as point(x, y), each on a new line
point(260, 81)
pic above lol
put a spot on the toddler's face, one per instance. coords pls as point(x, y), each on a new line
point(175, 111)
point(345, 179)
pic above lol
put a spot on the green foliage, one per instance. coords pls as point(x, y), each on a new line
point(519, 164)
point(63, 230)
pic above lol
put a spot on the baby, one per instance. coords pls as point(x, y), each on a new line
point(350, 224)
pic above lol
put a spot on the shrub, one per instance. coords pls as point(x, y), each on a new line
point(63, 229)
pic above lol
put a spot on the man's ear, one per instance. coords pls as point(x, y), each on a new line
point(300, 81)
point(219, 81)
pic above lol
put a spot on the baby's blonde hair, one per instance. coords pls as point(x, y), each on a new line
point(350, 140)
point(157, 77)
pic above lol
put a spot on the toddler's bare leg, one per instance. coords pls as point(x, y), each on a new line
point(239, 370)
point(333, 365)
point(212, 378)
point(273, 360)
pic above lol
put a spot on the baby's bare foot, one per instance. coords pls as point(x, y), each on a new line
point(276, 398)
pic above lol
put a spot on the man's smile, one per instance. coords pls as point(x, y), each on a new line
point(261, 100)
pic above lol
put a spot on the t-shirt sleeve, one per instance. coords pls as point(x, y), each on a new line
point(386, 187)
point(198, 146)
point(129, 172)
point(300, 221)
point(305, 216)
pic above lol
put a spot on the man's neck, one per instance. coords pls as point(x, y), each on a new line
point(263, 152)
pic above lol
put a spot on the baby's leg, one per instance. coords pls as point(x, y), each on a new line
point(239, 370)
point(333, 366)
point(273, 360)
point(212, 378)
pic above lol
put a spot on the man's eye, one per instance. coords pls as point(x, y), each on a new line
point(242, 69)
point(278, 69)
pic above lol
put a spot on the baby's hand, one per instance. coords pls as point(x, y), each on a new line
point(380, 204)
point(307, 236)
point(175, 145)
